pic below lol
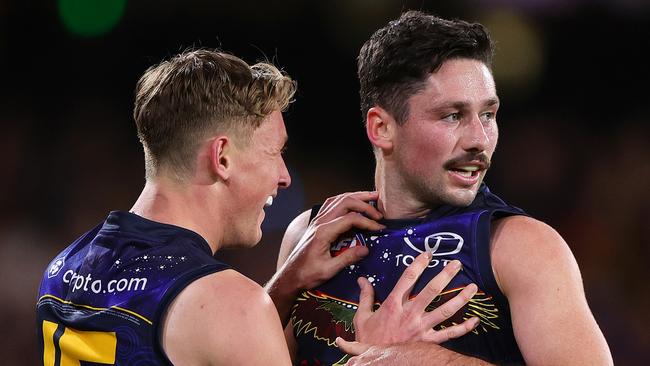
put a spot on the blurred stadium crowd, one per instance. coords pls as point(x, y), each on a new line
point(574, 148)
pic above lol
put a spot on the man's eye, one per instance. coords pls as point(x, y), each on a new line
point(453, 117)
point(488, 117)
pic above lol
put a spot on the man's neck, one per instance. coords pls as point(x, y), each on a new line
point(179, 204)
point(394, 204)
point(395, 201)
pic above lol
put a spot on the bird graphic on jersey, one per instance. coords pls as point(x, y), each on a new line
point(331, 317)
point(320, 315)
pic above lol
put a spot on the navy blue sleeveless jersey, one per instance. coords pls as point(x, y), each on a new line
point(101, 300)
point(320, 315)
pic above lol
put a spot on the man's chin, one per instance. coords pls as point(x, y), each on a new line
point(252, 241)
point(460, 197)
point(257, 239)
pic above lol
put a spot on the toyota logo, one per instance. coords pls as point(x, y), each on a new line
point(439, 244)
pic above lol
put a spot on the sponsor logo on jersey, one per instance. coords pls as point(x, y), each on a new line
point(55, 267)
point(439, 244)
point(87, 283)
point(343, 245)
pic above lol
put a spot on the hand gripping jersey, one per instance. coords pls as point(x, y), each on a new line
point(101, 300)
point(320, 315)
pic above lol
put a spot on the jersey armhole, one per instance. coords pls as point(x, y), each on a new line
point(484, 259)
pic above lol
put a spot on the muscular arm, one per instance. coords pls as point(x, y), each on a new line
point(283, 297)
point(305, 260)
point(223, 319)
point(413, 354)
point(537, 272)
point(551, 319)
point(294, 232)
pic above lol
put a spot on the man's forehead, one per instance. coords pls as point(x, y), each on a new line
point(463, 81)
point(461, 71)
point(272, 127)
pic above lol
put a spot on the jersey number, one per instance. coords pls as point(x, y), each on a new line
point(77, 346)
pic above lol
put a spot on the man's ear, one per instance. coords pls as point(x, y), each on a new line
point(380, 128)
point(221, 155)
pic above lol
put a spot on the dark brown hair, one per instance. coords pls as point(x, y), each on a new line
point(397, 59)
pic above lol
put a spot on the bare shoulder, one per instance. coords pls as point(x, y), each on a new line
point(524, 249)
point(226, 288)
point(292, 235)
point(199, 324)
point(522, 228)
point(520, 234)
point(535, 269)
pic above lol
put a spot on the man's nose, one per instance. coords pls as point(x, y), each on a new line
point(285, 179)
point(475, 136)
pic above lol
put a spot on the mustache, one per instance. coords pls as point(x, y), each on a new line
point(466, 158)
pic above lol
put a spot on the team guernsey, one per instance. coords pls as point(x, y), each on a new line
point(101, 300)
point(326, 312)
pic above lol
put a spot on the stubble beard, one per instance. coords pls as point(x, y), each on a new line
point(438, 193)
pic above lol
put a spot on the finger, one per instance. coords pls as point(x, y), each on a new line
point(330, 202)
point(406, 281)
point(345, 205)
point(325, 213)
point(330, 231)
point(435, 286)
point(351, 348)
point(342, 204)
point(366, 299)
point(452, 332)
point(347, 257)
point(449, 308)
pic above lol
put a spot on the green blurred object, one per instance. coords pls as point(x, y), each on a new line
point(90, 18)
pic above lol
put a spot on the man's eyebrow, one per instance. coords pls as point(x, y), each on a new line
point(492, 101)
point(444, 107)
point(462, 105)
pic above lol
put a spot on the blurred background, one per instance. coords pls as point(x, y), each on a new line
point(574, 148)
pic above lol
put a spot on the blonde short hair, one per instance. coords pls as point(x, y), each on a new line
point(198, 93)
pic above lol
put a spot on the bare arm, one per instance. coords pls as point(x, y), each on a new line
point(537, 272)
point(413, 354)
point(283, 296)
point(294, 232)
point(225, 319)
point(305, 260)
